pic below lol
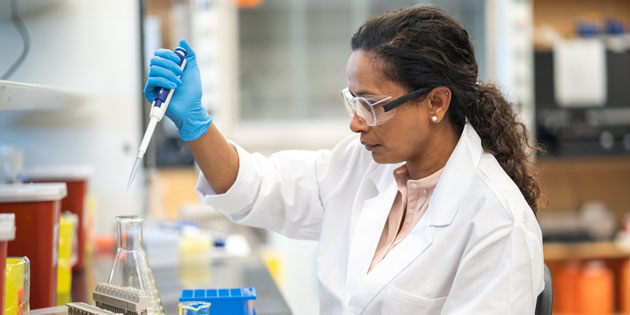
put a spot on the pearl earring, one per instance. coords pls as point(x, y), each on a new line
point(434, 118)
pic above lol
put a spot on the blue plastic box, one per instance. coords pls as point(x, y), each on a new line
point(237, 301)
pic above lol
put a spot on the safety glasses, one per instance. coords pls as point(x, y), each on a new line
point(374, 110)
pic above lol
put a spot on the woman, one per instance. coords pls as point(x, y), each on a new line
point(428, 208)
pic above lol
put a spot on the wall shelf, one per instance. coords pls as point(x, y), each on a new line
point(26, 96)
point(27, 8)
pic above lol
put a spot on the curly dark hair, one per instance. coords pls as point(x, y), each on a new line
point(423, 46)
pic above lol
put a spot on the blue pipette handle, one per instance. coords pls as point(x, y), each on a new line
point(162, 93)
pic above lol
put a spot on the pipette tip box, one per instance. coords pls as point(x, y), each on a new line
point(234, 301)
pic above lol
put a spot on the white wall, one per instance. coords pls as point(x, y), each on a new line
point(91, 47)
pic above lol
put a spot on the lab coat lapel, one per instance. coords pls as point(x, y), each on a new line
point(395, 262)
point(361, 286)
point(456, 178)
point(372, 214)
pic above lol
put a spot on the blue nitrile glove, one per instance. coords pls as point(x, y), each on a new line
point(185, 108)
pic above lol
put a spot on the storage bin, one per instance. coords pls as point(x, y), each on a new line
point(76, 179)
point(235, 301)
point(36, 208)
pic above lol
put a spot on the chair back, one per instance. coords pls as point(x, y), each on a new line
point(544, 302)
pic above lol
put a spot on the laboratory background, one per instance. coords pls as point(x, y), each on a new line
point(73, 114)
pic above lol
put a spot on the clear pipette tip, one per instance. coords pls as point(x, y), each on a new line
point(134, 170)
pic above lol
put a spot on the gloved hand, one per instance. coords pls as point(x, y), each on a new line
point(185, 108)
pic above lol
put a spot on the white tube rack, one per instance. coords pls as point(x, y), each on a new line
point(127, 301)
point(80, 308)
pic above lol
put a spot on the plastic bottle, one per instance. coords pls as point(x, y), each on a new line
point(565, 288)
point(596, 289)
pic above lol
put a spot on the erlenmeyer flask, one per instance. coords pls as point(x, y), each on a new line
point(130, 266)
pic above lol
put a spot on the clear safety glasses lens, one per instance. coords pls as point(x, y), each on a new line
point(381, 116)
point(347, 102)
point(370, 113)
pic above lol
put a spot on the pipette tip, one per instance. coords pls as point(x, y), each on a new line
point(133, 172)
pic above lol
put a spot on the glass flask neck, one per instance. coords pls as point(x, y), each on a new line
point(129, 232)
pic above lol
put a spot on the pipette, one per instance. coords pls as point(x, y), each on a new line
point(158, 108)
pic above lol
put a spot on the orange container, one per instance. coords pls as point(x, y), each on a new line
point(565, 287)
point(624, 286)
point(7, 233)
point(36, 208)
point(596, 289)
point(76, 179)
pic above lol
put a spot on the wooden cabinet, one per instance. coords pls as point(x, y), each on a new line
point(568, 183)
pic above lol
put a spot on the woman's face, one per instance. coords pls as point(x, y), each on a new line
point(405, 136)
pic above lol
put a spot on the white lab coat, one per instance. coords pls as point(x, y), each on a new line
point(477, 250)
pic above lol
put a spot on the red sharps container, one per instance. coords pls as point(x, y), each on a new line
point(76, 179)
point(7, 233)
point(36, 208)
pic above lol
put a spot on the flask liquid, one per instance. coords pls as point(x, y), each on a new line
point(131, 268)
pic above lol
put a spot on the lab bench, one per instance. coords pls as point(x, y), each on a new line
point(228, 272)
point(583, 251)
